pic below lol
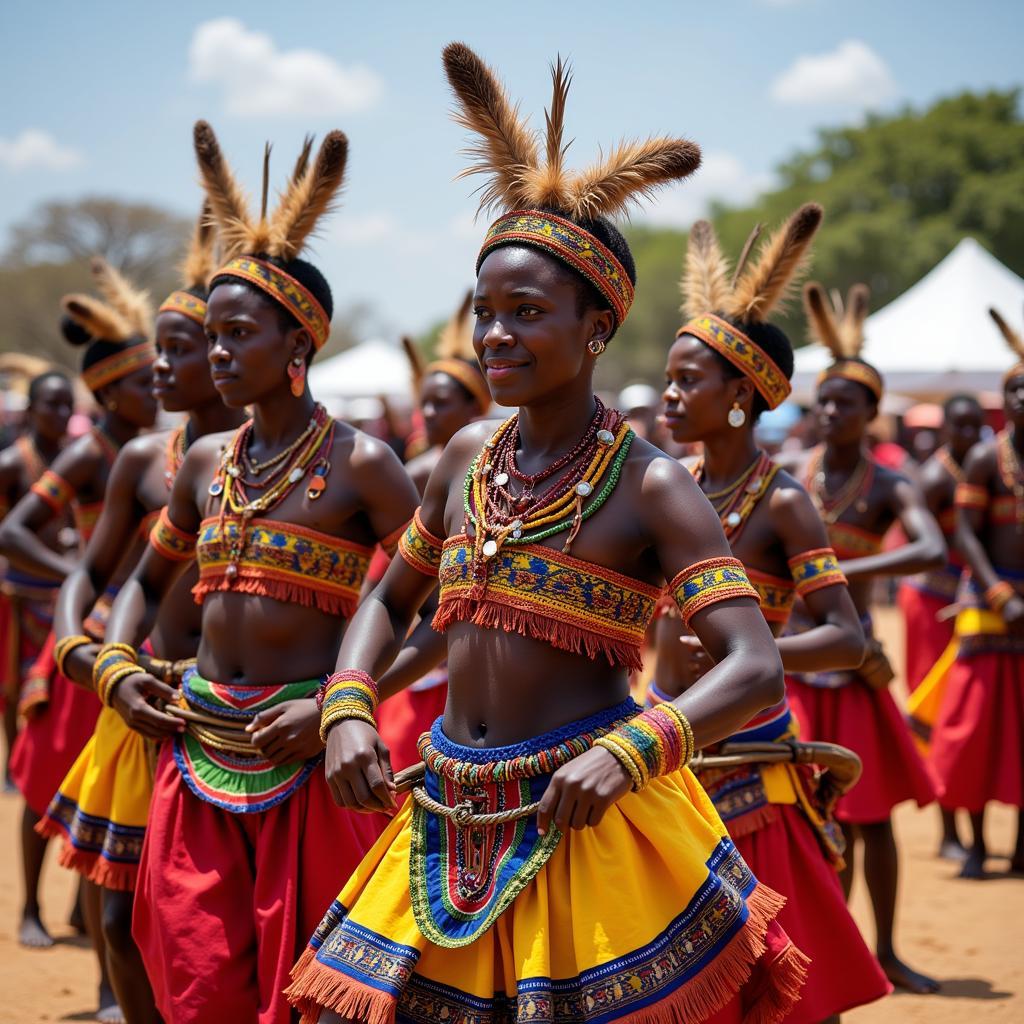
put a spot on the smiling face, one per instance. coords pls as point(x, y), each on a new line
point(181, 373)
point(531, 336)
point(1013, 399)
point(843, 409)
point(446, 407)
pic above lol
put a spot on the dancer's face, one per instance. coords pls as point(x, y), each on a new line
point(698, 391)
point(962, 427)
point(51, 409)
point(1013, 400)
point(843, 410)
point(446, 408)
point(181, 373)
point(134, 399)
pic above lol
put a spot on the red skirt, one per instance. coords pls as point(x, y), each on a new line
point(926, 636)
point(869, 723)
point(52, 737)
point(403, 718)
point(978, 738)
point(225, 902)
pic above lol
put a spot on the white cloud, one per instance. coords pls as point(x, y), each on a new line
point(366, 229)
point(34, 148)
point(852, 74)
point(721, 177)
point(259, 80)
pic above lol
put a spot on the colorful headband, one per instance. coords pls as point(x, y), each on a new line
point(118, 365)
point(749, 358)
point(857, 371)
point(568, 242)
point(186, 304)
point(285, 291)
point(471, 379)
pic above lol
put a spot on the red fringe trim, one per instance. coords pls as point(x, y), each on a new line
point(94, 867)
point(561, 635)
point(287, 593)
point(316, 987)
point(752, 821)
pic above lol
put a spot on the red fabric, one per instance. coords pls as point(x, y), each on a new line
point(926, 636)
point(785, 856)
point(226, 902)
point(869, 723)
point(401, 720)
point(978, 737)
point(52, 738)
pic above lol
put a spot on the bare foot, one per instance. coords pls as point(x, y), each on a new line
point(33, 934)
point(109, 1012)
point(903, 977)
point(952, 849)
point(974, 865)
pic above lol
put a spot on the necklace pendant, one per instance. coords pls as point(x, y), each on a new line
point(296, 475)
point(584, 489)
point(605, 437)
point(501, 479)
point(234, 472)
point(755, 485)
point(490, 548)
point(215, 489)
point(733, 519)
point(231, 571)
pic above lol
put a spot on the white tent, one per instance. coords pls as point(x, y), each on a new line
point(937, 337)
point(371, 369)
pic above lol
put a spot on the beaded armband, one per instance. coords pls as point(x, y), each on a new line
point(347, 694)
point(708, 582)
point(812, 570)
point(655, 743)
point(54, 490)
point(63, 647)
point(420, 548)
point(969, 496)
point(115, 662)
point(998, 594)
point(170, 542)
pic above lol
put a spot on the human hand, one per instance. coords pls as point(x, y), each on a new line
point(581, 791)
point(358, 767)
point(287, 732)
point(132, 701)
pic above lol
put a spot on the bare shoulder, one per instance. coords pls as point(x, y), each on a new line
point(659, 478)
point(140, 451)
point(792, 512)
point(983, 457)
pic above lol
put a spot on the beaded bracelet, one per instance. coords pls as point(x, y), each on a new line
point(65, 646)
point(110, 655)
point(112, 676)
point(655, 743)
point(347, 694)
point(997, 596)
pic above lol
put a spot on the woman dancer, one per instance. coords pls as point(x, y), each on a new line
point(727, 366)
point(482, 897)
point(859, 501)
point(286, 517)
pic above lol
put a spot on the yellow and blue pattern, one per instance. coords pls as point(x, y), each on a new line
point(812, 570)
point(708, 582)
point(420, 548)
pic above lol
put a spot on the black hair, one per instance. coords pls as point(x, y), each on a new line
point(36, 384)
point(466, 393)
point(960, 398)
point(96, 349)
point(776, 346)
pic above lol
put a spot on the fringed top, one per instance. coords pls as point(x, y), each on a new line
point(850, 541)
point(280, 560)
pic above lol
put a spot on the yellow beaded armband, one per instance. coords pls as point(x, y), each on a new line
point(812, 570)
point(54, 490)
point(171, 542)
point(420, 548)
point(708, 582)
point(347, 694)
point(65, 646)
point(657, 742)
point(968, 496)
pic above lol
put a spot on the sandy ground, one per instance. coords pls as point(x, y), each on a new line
point(968, 934)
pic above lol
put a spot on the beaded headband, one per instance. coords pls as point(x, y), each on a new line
point(120, 364)
point(569, 243)
point(859, 372)
point(186, 304)
point(285, 290)
point(468, 377)
point(747, 356)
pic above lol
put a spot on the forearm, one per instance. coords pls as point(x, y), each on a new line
point(976, 556)
point(24, 550)
point(373, 638)
point(825, 647)
point(133, 613)
point(424, 650)
point(916, 556)
point(77, 596)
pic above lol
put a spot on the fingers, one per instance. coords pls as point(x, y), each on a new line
point(377, 784)
point(547, 807)
point(152, 724)
point(153, 687)
point(264, 718)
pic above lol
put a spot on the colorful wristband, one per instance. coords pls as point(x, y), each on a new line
point(113, 675)
point(708, 582)
point(813, 570)
point(347, 694)
point(657, 742)
point(65, 646)
point(997, 596)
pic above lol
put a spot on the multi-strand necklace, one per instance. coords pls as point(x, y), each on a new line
point(174, 453)
point(1012, 474)
point(944, 457)
point(854, 492)
point(736, 502)
point(551, 501)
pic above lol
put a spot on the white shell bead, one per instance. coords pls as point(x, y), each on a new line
point(583, 488)
point(501, 479)
point(490, 548)
point(295, 475)
point(733, 519)
point(605, 436)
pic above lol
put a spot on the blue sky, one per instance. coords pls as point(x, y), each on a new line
point(100, 99)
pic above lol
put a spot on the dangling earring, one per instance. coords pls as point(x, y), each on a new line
point(737, 417)
point(297, 376)
point(112, 405)
point(595, 346)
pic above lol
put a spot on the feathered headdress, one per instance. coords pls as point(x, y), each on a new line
point(1014, 340)
point(840, 328)
point(718, 304)
point(196, 270)
point(546, 205)
point(259, 250)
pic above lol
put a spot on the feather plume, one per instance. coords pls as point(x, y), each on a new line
point(741, 263)
point(198, 266)
point(456, 338)
point(506, 149)
point(309, 198)
point(129, 302)
point(228, 203)
point(821, 319)
point(100, 320)
point(705, 283)
point(302, 162)
point(855, 312)
point(547, 186)
point(1013, 339)
point(416, 365)
point(630, 173)
point(766, 285)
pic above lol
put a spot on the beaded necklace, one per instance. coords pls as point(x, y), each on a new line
point(854, 492)
point(1012, 474)
point(945, 459)
point(741, 500)
point(174, 454)
point(110, 449)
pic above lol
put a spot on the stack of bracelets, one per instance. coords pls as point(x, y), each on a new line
point(997, 596)
point(114, 663)
point(655, 743)
point(347, 694)
point(65, 646)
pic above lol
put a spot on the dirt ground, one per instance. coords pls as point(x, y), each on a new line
point(968, 934)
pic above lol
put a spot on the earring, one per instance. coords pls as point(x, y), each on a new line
point(595, 346)
point(112, 405)
point(297, 376)
point(737, 417)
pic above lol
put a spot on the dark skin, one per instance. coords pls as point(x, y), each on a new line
point(961, 430)
point(988, 547)
point(843, 411)
point(46, 422)
point(532, 340)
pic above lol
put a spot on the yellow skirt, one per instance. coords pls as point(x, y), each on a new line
point(652, 915)
point(102, 805)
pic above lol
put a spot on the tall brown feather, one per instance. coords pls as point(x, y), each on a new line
point(198, 266)
point(766, 285)
point(631, 172)
point(1013, 339)
point(821, 319)
point(228, 203)
point(302, 162)
point(705, 283)
point(309, 198)
point(456, 338)
point(506, 149)
point(741, 263)
point(100, 320)
point(124, 298)
point(412, 353)
point(547, 187)
point(851, 325)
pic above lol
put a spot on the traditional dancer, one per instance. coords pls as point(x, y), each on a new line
point(452, 392)
point(483, 898)
point(727, 366)
point(26, 600)
point(103, 804)
point(978, 735)
point(924, 599)
point(859, 501)
point(233, 868)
